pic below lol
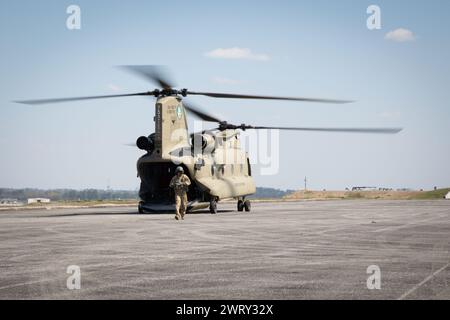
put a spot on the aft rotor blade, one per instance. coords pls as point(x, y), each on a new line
point(57, 100)
point(354, 130)
point(157, 74)
point(246, 96)
point(201, 114)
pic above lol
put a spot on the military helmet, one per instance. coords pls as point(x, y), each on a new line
point(179, 169)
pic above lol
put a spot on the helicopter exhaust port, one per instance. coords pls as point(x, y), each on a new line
point(206, 141)
point(145, 143)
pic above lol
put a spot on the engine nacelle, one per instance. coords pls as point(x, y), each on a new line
point(205, 141)
point(145, 143)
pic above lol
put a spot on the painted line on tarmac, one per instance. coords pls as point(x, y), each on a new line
point(417, 286)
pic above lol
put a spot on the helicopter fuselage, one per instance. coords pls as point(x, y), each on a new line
point(218, 168)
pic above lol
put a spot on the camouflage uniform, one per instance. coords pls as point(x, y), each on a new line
point(180, 186)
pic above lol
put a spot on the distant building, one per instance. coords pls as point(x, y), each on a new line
point(364, 188)
point(38, 200)
point(6, 202)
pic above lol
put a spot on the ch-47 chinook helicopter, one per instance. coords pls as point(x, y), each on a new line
point(218, 168)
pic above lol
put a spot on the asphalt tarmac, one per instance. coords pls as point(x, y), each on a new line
point(284, 250)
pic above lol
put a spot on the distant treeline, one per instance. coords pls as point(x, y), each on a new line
point(68, 194)
point(271, 193)
point(95, 194)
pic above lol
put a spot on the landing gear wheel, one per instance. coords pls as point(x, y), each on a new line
point(140, 210)
point(213, 206)
point(240, 205)
point(247, 205)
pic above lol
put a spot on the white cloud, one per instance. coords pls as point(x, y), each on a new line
point(237, 53)
point(227, 81)
point(400, 35)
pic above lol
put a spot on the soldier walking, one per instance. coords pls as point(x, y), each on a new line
point(180, 184)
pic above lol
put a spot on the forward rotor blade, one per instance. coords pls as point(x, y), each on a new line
point(157, 74)
point(130, 144)
point(355, 130)
point(57, 100)
point(201, 114)
point(245, 96)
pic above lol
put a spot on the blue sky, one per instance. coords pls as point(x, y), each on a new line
point(310, 48)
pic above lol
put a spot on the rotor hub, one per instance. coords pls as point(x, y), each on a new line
point(168, 92)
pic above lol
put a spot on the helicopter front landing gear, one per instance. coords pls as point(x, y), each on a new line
point(213, 206)
point(247, 205)
point(243, 204)
point(140, 210)
point(240, 205)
